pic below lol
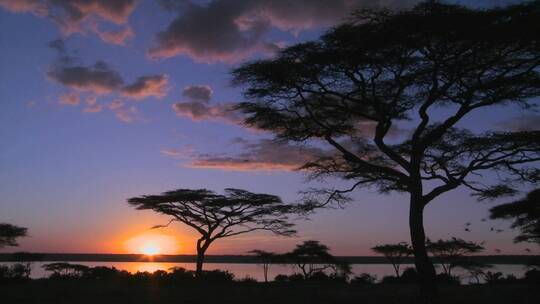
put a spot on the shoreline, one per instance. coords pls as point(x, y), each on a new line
point(229, 259)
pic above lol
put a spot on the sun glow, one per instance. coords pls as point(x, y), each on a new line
point(150, 248)
point(152, 244)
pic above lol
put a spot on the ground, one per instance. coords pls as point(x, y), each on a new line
point(82, 292)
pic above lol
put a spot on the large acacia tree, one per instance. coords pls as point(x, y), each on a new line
point(426, 69)
point(525, 214)
point(215, 216)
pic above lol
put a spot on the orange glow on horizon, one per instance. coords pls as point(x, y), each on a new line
point(152, 243)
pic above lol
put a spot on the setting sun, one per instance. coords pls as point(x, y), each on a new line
point(152, 244)
point(150, 249)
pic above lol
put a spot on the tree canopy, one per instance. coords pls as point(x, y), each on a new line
point(216, 216)
point(525, 214)
point(10, 233)
point(453, 252)
point(396, 254)
point(387, 92)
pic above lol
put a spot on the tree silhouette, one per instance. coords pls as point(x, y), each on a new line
point(216, 216)
point(396, 254)
point(526, 216)
point(10, 233)
point(312, 257)
point(354, 87)
point(265, 258)
point(451, 253)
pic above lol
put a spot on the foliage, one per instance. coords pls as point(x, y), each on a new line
point(10, 233)
point(353, 88)
point(313, 258)
point(364, 279)
point(15, 272)
point(394, 253)
point(451, 253)
point(525, 214)
point(62, 270)
point(266, 258)
point(216, 216)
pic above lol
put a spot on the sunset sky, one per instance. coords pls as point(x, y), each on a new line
point(106, 100)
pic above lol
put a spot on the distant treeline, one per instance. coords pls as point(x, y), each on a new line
point(230, 259)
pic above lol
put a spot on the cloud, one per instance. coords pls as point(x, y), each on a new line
point(527, 122)
point(146, 86)
point(71, 99)
point(261, 155)
point(127, 115)
point(200, 93)
point(229, 31)
point(199, 111)
point(120, 37)
point(96, 108)
point(77, 15)
point(198, 107)
point(98, 78)
point(24, 6)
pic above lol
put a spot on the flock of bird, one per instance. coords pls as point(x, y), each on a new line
point(467, 228)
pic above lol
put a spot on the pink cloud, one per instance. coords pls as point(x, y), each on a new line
point(261, 155)
point(71, 99)
point(147, 86)
point(230, 31)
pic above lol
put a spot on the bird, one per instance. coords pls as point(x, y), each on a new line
point(491, 229)
point(467, 229)
point(499, 230)
point(467, 223)
point(483, 220)
point(527, 249)
point(497, 250)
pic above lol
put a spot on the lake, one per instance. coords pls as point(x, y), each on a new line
point(255, 271)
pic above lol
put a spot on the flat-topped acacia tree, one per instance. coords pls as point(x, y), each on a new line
point(426, 69)
point(215, 216)
point(10, 233)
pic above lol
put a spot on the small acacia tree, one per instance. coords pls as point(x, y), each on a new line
point(452, 253)
point(10, 233)
point(526, 216)
point(396, 254)
point(419, 68)
point(215, 216)
point(265, 258)
point(312, 257)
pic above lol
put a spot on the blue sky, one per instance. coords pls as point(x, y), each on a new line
point(74, 149)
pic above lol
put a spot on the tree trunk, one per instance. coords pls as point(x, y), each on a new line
point(426, 271)
point(265, 269)
point(202, 245)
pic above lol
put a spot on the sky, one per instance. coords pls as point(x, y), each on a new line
point(107, 100)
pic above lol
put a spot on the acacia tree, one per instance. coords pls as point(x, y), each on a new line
point(312, 257)
point(452, 253)
point(526, 216)
point(418, 69)
point(265, 258)
point(10, 233)
point(396, 254)
point(215, 216)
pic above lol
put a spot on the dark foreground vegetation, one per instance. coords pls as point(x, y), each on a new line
point(70, 283)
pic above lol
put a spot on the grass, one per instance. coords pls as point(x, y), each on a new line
point(150, 292)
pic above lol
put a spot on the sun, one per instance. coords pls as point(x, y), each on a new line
point(151, 244)
point(150, 248)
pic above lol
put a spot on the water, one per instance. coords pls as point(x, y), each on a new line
point(255, 271)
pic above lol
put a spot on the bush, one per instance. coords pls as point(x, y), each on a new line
point(497, 278)
point(532, 276)
point(15, 272)
point(364, 279)
point(217, 276)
